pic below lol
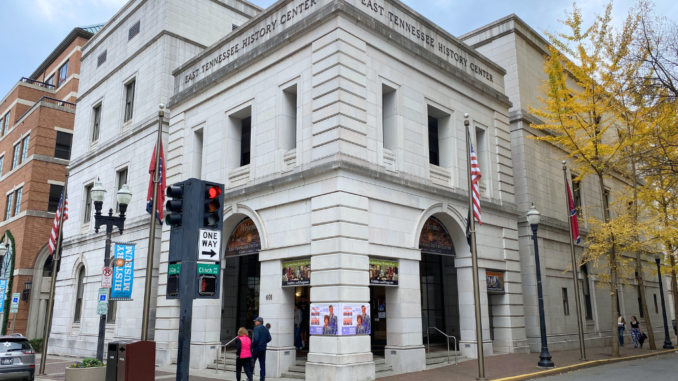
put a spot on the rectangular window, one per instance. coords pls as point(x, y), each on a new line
point(289, 116)
point(388, 117)
point(96, 122)
point(576, 194)
point(121, 179)
point(2, 161)
point(17, 155)
point(245, 141)
point(2, 126)
point(587, 293)
point(606, 200)
point(17, 203)
point(656, 306)
point(63, 145)
point(433, 147)
point(640, 304)
point(102, 58)
point(24, 151)
point(50, 80)
point(129, 100)
point(8, 209)
point(6, 129)
point(197, 154)
point(79, 294)
point(566, 303)
point(481, 154)
point(88, 204)
point(54, 195)
point(134, 30)
point(63, 74)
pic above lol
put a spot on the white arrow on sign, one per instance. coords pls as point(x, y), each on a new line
point(209, 245)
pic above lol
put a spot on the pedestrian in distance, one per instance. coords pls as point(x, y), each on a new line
point(297, 328)
point(243, 354)
point(261, 339)
point(621, 327)
point(636, 332)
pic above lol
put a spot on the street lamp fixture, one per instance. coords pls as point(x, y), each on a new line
point(533, 218)
point(124, 196)
point(27, 290)
point(667, 339)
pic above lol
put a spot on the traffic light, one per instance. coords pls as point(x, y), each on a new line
point(213, 210)
point(207, 285)
point(175, 206)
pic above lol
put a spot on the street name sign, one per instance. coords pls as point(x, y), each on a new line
point(209, 245)
point(208, 268)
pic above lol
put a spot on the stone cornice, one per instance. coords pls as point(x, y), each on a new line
point(314, 20)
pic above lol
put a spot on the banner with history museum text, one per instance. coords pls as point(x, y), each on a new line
point(123, 272)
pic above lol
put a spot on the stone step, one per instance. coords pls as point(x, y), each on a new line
point(379, 361)
point(441, 354)
point(386, 373)
point(297, 369)
point(297, 376)
point(443, 360)
point(222, 367)
point(382, 367)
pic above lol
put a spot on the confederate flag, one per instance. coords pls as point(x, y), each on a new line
point(574, 224)
point(159, 213)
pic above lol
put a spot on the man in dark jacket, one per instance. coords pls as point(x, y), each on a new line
point(261, 339)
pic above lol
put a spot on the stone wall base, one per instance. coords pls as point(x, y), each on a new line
point(345, 372)
point(406, 359)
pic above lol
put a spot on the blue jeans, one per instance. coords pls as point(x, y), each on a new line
point(261, 355)
point(297, 336)
point(621, 335)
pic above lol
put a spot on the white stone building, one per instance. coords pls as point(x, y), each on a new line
point(337, 128)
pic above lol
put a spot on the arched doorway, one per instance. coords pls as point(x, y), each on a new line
point(241, 277)
point(438, 281)
point(42, 278)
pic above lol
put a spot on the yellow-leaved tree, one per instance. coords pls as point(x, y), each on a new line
point(582, 114)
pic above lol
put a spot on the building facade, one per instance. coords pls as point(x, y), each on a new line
point(37, 129)
point(337, 127)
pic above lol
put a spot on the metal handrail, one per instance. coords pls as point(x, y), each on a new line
point(219, 353)
point(38, 83)
point(251, 332)
point(456, 349)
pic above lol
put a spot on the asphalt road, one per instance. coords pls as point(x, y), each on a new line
point(664, 368)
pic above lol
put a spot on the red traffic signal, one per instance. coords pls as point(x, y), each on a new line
point(213, 192)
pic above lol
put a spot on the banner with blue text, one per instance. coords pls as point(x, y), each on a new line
point(123, 273)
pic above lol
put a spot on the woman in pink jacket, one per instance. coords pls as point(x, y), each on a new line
point(243, 354)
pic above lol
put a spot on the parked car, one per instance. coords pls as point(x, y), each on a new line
point(17, 358)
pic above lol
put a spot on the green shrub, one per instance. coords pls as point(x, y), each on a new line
point(89, 362)
point(37, 345)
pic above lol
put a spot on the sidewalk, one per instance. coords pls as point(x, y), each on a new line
point(502, 366)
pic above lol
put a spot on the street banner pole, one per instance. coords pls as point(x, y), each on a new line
point(474, 259)
point(52, 286)
point(151, 236)
point(577, 299)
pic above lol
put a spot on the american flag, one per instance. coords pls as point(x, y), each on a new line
point(475, 177)
point(55, 226)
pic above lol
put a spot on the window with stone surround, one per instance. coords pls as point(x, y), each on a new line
point(245, 140)
point(63, 74)
point(120, 179)
point(2, 161)
point(640, 303)
point(87, 210)
point(8, 208)
point(62, 150)
point(17, 155)
point(566, 303)
point(389, 116)
point(80, 291)
point(198, 144)
point(239, 138)
point(289, 118)
point(5, 124)
point(587, 293)
point(441, 146)
point(129, 100)
point(96, 121)
point(481, 154)
point(54, 196)
point(24, 149)
point(17, 203)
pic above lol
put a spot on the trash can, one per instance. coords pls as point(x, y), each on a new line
point(136, 361)
point(112, 361)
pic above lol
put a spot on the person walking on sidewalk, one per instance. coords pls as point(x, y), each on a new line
point(243, 354)
point(261, 339)
point(636, 332)
point(621, 327)
point(297, 328)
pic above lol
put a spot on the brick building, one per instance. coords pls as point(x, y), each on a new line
point(36, 131)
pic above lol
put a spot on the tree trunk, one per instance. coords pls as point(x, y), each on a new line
point(643, 302)
point(613, 274)
point(674, 286)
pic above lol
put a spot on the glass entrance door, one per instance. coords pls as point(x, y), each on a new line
point(379, 315)
point(249, 276)
point(432, 306)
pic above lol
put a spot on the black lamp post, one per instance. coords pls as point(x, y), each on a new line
point(667, 338)
point(533, 218)
point(124, 196)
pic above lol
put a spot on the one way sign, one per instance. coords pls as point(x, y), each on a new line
point(209, 245)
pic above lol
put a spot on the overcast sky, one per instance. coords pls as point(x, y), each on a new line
point(31, 29)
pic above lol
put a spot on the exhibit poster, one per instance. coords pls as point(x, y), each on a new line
point(296, 273)
point(495, 281)
point(383, 272)
point(244, 240)
point(324, 320)
point(355, 319)
point(435, 239)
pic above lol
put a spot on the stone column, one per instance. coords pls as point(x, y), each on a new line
point(276, 307)
point(339, 249)
point(404, 349)
point(468, 342)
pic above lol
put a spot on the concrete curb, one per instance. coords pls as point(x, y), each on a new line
point(583, 365)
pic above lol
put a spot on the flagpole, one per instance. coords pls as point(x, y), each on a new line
point(52, 286)
point(582, 348)
point(151, 236)
point(474, 259)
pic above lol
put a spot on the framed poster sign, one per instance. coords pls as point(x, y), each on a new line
point(244, 240)
point(324, 320)
point(355, 319)
point(383, 272)
point(435, 239)
point(296, 273)
point(495, 281)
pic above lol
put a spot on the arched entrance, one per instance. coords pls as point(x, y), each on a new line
point(438, 281)
point(241, 277)
point(37, 312)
